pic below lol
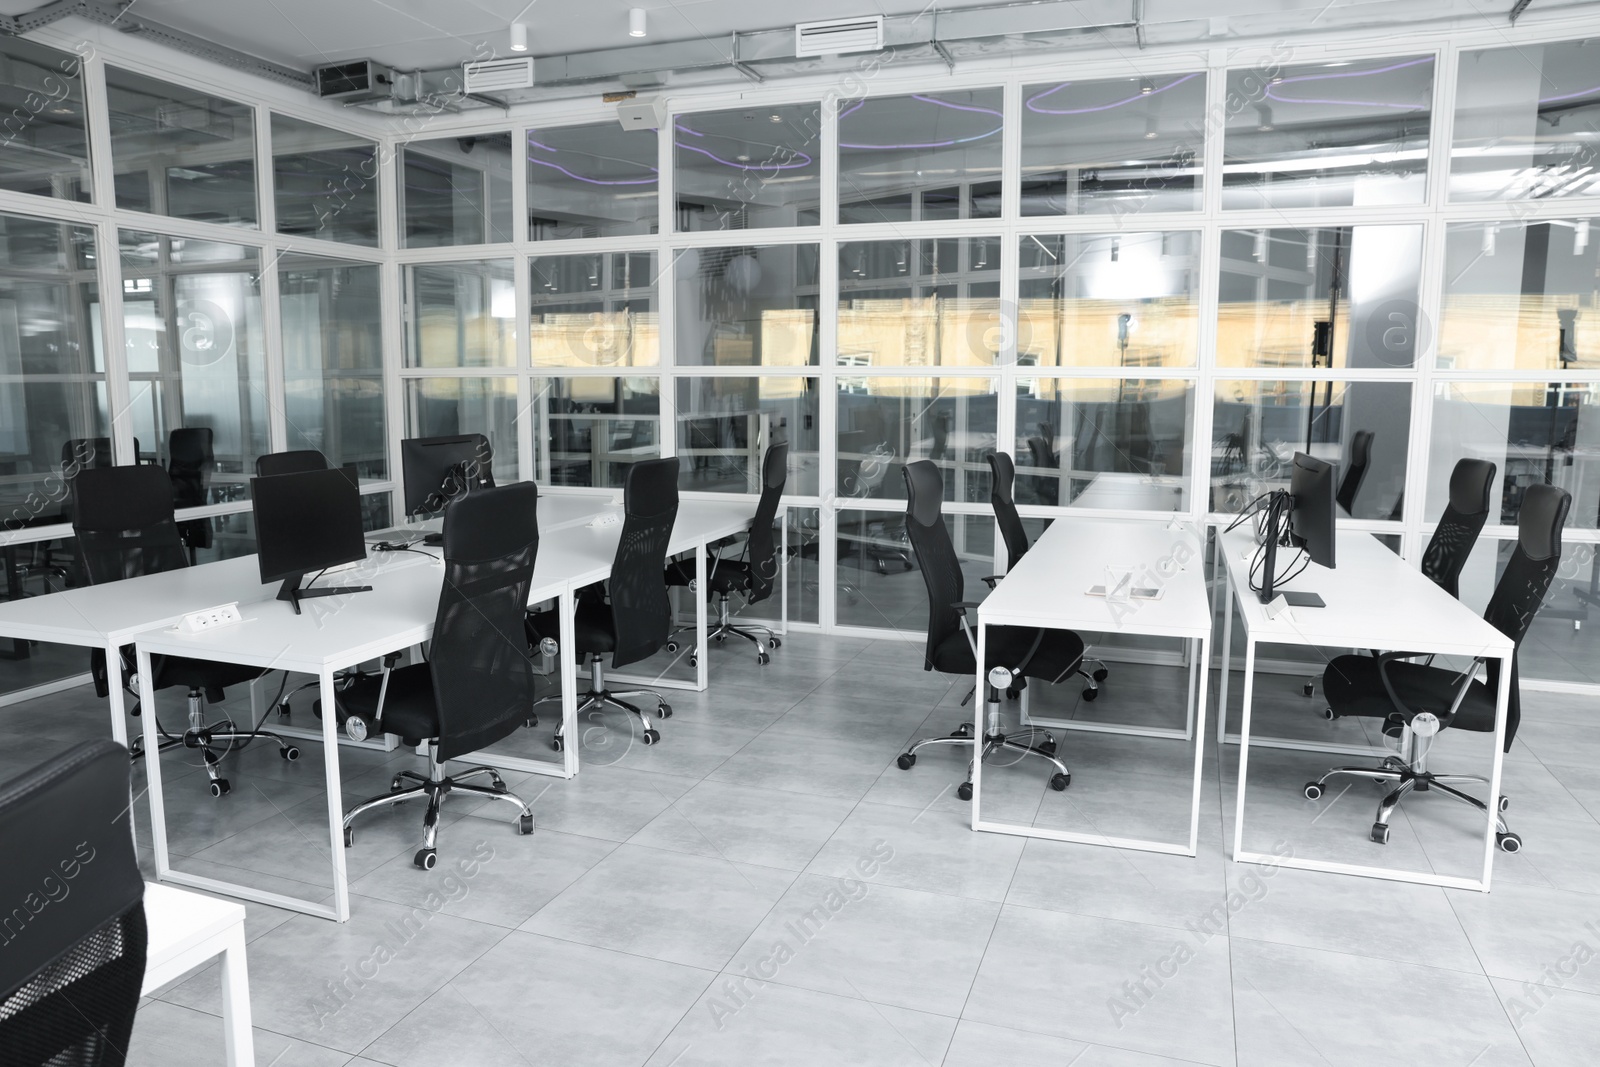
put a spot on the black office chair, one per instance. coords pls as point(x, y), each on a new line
point(1471, 483)
point(1355, 471)
point(1014, 653)
point(1045, 458)
point(1005, 507)
point(190, 461)
point(629, 617)
point(123, 520)
point(75, 938)
point(297, 461)
point(753, 574)
point(1416, 700)
point(477, 686)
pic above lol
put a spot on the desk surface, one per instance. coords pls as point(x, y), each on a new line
point(178, 921)
point(1115, 491)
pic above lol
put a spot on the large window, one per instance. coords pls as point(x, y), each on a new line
point(333, 360)
point(1120, 444)
point(456, 191)
point(594, 428)
point(885, 422)
point(44, 140)
point(325, 182)
point(595, 310)
point(747, 306)
point(726, 425)
point(461, 315)
point(922, 157)
point(444, 407)
point(920, 303)
point(591, 181)
point(749, 167)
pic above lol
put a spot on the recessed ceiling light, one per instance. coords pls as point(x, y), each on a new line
point(742, 158)
point(636, 22)
point(776, 118)
point(519, 36)
point(1146, 87)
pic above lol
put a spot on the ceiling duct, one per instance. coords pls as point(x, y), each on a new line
point(356, 82)
point(497, 75)
point(838, 36)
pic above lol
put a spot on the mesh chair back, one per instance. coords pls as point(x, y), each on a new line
point(1356, 471)
point(936, 555)
point(763, 554)
point(189, 462)
point(640, 611)
point(1005, 507)
point(123, 520)
point(296, 462)
point(80, 453)
point(482, 673)
point(1471, 483)
point(73, 939)
point(1521, 590)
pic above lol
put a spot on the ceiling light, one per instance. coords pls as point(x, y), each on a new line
point(1146, 87)
point(1150, 131)
point(742, 158)
point(1116, 247)
point(519, 36)
point(1264, 113)
point(636, 17)
point(1580, 237)
point(776, 118)
point(1488, 238)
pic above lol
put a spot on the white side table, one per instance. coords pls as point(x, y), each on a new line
point(188, 929)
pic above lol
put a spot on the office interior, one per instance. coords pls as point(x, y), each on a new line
point(1150, 252)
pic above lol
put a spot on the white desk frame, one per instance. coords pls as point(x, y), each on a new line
point(1360, 596)
point(1047, 590)
point(188, 929)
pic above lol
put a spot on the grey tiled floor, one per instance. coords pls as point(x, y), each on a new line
point(628, 929)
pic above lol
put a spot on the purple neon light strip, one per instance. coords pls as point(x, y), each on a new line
point(1569, 96)
point(929, 144)
point(1029, 104)
point(1272, 93)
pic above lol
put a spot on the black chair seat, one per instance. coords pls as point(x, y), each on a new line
point(1058, 655)
point(201, 674)
point(593, 628)
point(408, 706)
point(723, 576)
point(1354, 686)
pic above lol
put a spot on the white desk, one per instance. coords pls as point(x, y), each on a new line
point(1114, 491)
point(1374, 600)
point(189, 929)
point(1047, 590)
point(338, 632)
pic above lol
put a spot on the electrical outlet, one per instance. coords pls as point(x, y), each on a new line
point(210, 619)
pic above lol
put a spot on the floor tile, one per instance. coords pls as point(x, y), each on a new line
point(759, 826)
point(934, 851)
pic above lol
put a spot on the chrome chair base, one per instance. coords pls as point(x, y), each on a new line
point(760, 636)
point(204, 736)
point(994, 740)
point(599, 697)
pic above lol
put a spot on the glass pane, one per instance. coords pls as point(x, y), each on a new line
point(1258, 426)
point(191, 313)
point(903, 158)
point(591, 181)
point(1119, 444)
point(325, 182)
point(876, 584)
point(52, 376)
point(443, 407)
point(805, 585)
point(333, 360)
point(1117, 146)
point(726, 425)
point(748, 167)
point(1532, 432)
point(1559, 646)
point(920, 303)
point(1328, 134)
point(1526, 123)
point(25, 664)
point(594, 310)
point(461, 314)
point(1343, 296)
point(1128, 300)
point(44, 145)
point(596, 426)
point(885, 422)
point(181, 152)
point(455, 191)
point(747, 307)
point(1520, 296)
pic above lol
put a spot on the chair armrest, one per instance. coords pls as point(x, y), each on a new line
point(991, 580)
point(963, 605)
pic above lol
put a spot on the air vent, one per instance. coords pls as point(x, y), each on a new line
point(498, 75)
point(838, 36)
point(352, 82)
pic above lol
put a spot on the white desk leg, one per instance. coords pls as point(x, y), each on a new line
point(1244, 744)
point(240, 1042)
point(1502, 708)
point(1227, 647)
point(1189, 654)
point(119, 725)
point(701, 580)
point(152, 765)
point(330, 768)
point(1197, 697)
point(978, 725)
point(566, 622)
point(783, 574)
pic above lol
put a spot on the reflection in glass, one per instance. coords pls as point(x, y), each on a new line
point(748, 167)
point(1527, 120)
point(747, 306)
point(594, 310)
point(44, 145)
point(1558, 644)
point(181, 152)
point(444, 407)
point(726, 425)
point(1117, 146)
point(1341, 296)
point(920, 157)
point(325, 182)
point(191, 314)
point(460, 314)
point(591, 181)
point(1258, 426)
point(888, 421)
point(1119, 444)
point(1328, 135)
point(596, 427)
point(1125, 300)
point(929, 302)
point(1521, 296)
point(874, 583)
point(456, 191)
point(333, 360)
point(805, 576)
point(1533, 432)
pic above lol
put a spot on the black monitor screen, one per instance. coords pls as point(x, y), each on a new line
point(306, 522)
point(429, 463)
point(1311, 522)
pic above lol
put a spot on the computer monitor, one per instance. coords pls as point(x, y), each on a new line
point(305, 523)
point(429, 465)
point(1308, 508)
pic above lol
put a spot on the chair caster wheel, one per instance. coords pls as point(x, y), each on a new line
point(1101, 675)
point(1327, 713)
point(1047, 746)
point(1505, 802)
point(524, 824)
point(1059, 781)
point(694, 660)
point(426, 858)
point(1508, 842)
point(1308, 689)
point(283, 710)
point(556, 743)
point(777, 642)
point(349, 837)
point(531, 721)
point(1012, 692)
point(1380, 833)
point(763, 659)
point(289, 753)
point(964, 730)
point(394, 784)
point(651, 736)
point(906, 564)
point(498, 784)
point(906, 761)
point(1091, 694)
point(1313, 791)
point(664, 711)
point(220, 787)
point(964, 791)
point(136, 748)
point(672, 646)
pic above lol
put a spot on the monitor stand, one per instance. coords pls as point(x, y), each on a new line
point(433, 539)
point(1277, 516)
point(1303, 600)
point(291, 591)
